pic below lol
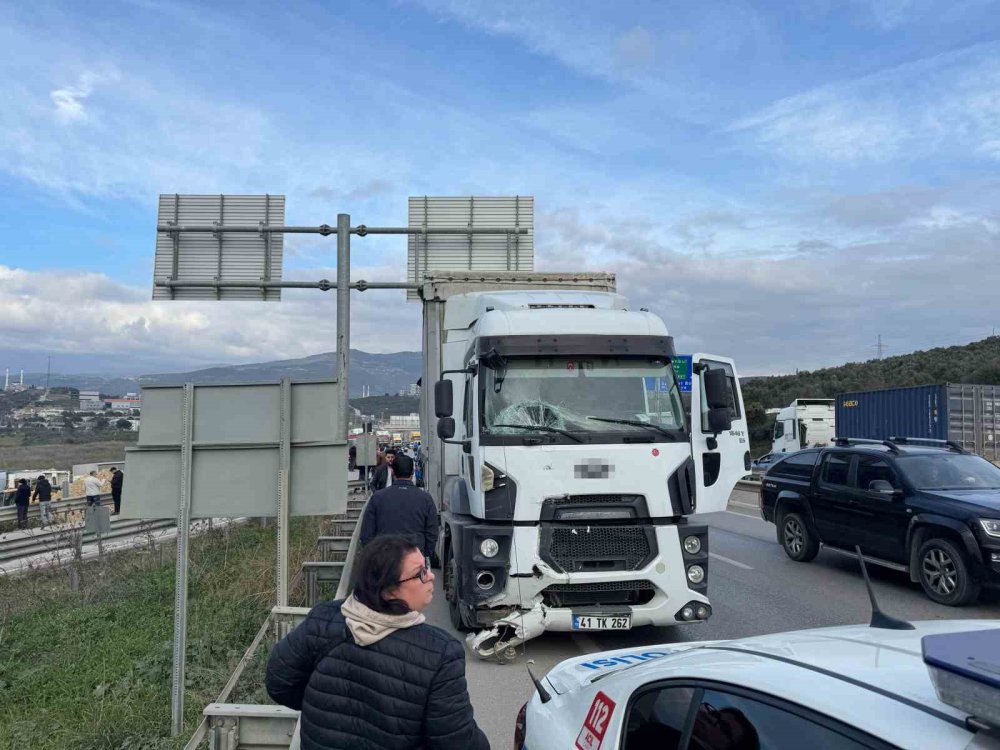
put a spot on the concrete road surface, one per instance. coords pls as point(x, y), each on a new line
point(754, 589)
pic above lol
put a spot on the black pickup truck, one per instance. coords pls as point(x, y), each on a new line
point(921, 506)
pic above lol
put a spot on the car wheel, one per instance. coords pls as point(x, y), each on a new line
point(944, 573)
point(797, 539)
point(451, 592)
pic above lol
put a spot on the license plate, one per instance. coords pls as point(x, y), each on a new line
point(602, 622)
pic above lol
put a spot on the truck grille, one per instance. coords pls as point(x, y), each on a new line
point(594, 499)
point(597, 548)
point(605, 592)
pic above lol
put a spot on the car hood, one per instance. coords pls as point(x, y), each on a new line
point(973, 499)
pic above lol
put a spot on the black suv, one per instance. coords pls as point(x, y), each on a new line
point(922, 506)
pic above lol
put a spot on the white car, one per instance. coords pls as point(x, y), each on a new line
point(826, 689)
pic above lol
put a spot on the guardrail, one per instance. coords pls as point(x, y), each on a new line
point(59, 507)
point(73, 537)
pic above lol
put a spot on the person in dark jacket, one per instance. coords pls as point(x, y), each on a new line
point(382, 474)
point(43, 494)
point(367, 673)
point(117, 478)
point(402, 509)
point(21, 499)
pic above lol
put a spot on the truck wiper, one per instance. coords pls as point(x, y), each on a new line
point(636, 423)
point(541, 428)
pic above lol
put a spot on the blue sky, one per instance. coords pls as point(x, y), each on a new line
point(781, 183)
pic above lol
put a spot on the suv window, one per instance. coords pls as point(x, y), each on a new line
point(798, 465)
point(836, 468)
point(872, 469)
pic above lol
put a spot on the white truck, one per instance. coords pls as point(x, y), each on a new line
point(565, 463)
point(804, 423)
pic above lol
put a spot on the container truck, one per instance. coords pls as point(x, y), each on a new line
point(563, 459)
point(966, 414)
point(804, 423)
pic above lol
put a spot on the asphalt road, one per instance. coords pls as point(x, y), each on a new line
point(754, 588)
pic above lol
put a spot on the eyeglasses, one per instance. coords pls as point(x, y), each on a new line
point(423, 574)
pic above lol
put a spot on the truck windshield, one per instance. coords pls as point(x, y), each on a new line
point(949, 471)
point(582, 395)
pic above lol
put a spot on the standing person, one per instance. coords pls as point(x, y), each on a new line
point(92, 489)
point(21, 499)
point(43, 494)
point(117, 477)
point(368, 672)
point(402, 509)
point(382, 476)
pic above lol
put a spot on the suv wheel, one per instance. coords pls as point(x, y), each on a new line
point(797, 539)
point(944, 573)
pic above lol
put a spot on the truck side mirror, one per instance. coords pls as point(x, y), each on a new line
point(719, 419)
point(444, 402)
point(716, 385)
point(446, 428)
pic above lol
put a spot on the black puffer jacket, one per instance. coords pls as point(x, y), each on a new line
point(404, 692)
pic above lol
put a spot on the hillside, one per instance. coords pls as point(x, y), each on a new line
point(978, 362)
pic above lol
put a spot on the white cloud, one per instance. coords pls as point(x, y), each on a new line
point(940, 107)
point(70, 100)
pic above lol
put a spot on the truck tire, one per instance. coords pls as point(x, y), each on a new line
point(796, 538)
point(944, 573)
point(451, 592)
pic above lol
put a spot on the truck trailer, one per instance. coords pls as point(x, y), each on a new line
point(563, 459)
point(967, 414)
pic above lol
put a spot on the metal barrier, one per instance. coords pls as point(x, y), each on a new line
point(333, 548)
point(9, 512)
point(232, 726)
point(70, 537)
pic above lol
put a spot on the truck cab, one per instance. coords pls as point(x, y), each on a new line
point(570, 465)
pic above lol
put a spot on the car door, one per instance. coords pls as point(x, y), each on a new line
point(882, 518)
point(832, 500)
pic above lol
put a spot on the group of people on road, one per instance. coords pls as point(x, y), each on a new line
point(367, 671)
point(93, 487)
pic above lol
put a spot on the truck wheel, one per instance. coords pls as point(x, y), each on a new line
point(796, 538)
point(944, 573)
point(451, 592)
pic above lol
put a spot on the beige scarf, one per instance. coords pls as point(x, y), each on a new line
point(368, 626)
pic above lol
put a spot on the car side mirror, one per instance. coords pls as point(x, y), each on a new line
point(881, 487)
point(719, 419)
point(444, 401)
point(446, 428)
point(716, 385)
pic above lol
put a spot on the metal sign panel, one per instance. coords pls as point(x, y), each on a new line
point(236, 446)
point(219, 256)
point(499, 252)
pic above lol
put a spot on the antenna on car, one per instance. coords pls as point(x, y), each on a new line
point(879, 618)
point(542, 692)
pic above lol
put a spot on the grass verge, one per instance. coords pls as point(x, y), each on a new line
point(89, 667)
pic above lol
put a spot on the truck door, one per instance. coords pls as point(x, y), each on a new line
point(722, 459)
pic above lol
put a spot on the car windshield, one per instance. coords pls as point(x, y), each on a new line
point(949, 471)
point(583, 395)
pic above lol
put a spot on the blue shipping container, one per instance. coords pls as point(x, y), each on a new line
point(967, 414)
point(920, 411)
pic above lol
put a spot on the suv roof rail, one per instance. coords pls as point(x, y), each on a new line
point(932, 441)
point(843, 442)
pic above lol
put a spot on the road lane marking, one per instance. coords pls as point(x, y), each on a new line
point(737, 563)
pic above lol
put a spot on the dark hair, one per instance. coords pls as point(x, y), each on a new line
point(402, 467)
point(379, 568)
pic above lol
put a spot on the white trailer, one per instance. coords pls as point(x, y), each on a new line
point(563, 460)
point(804, 423)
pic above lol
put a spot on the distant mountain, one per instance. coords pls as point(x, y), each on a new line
point(381, 373)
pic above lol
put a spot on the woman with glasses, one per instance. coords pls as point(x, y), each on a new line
point(368, 672)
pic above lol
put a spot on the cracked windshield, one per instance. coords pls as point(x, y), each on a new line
point(583, 395)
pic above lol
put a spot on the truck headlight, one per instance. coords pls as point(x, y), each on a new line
point(692, 545)
point(489, 547)
point(696, 574)
point(991, 526)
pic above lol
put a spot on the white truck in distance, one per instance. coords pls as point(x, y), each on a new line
point(565, 462)
point(804, 423)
